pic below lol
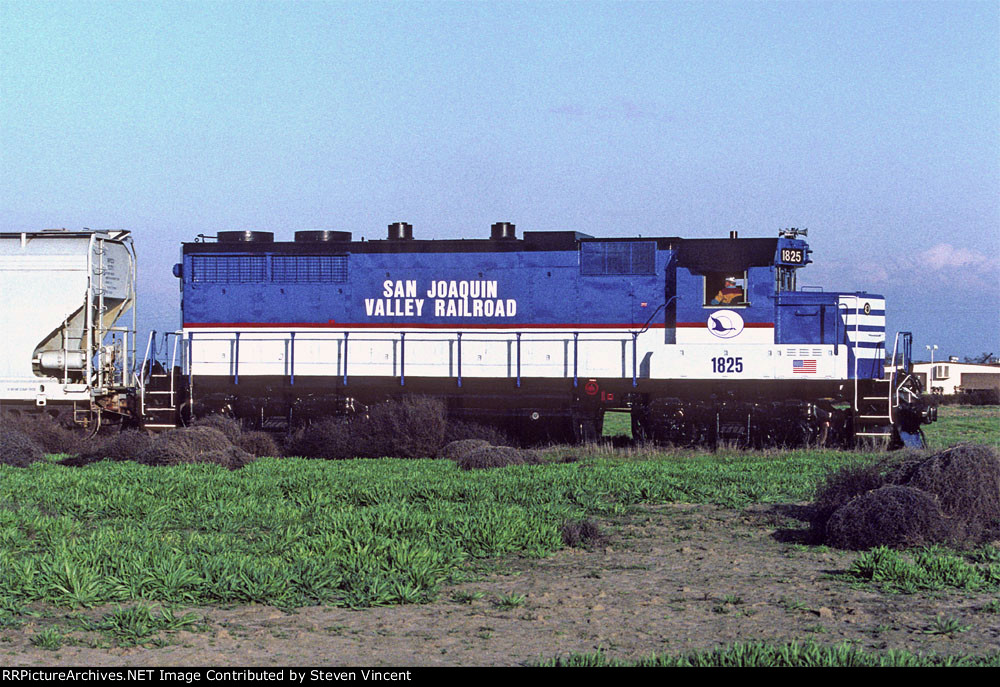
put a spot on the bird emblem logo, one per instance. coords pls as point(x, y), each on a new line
point(725, 324)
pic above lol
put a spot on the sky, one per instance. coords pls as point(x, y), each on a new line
point(876, 125)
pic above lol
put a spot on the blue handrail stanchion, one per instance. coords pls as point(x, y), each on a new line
point(190, 362)
point(519, 360)
point(345, 358)
point(635, 337)
point(576, 357)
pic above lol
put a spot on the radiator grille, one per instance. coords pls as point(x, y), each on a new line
point(617, 257)
point(299, 269)
point(228, 269)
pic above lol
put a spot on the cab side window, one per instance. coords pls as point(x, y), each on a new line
point(725, 289)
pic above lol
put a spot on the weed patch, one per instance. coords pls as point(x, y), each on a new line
point(259, 444)
point(455, 450)
point(45, 431)
point(119, 446)
point(487, 457)
point(412, 427)
point(458, 430)
point(17, 449)
point(582, 533)
point(202, 444)
point(965, 481)
point(895, 516)
point(951, 497)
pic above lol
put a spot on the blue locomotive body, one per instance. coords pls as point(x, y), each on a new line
point(556, 326)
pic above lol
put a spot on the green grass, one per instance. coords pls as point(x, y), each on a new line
point(955, 425)
point(294, 532)
point(50, 639)
point(298, 532)
point(617, 424)
point(510, 601)
point(941, 625)
point(929, 568)
point(787, 655)
point(139, 624)
point(960, 424)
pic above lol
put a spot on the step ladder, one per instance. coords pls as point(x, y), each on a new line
point(873, 417)
point(159, 388)
point(875, 410)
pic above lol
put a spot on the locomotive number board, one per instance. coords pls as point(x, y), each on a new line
point(794, 256)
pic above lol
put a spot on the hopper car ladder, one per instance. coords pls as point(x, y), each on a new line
point(110, 376)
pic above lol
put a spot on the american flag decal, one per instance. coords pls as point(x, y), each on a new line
point(804, 366)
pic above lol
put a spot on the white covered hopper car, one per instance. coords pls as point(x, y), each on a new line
point(62, 349)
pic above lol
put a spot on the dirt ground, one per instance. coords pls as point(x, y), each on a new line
point(670, 579)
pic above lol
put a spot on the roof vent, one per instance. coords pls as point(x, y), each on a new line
point(321, 236)
point(246, 237)
point(400, 231)
point(502, 231)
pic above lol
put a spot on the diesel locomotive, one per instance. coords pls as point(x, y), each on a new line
point(700, 340)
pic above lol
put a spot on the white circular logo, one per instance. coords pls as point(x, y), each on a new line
point(725, 324)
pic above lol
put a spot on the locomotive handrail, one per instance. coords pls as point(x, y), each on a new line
point(145, 369)
point(902, 387)
point(576, 359)
point(238, 338)
point(519, 360)
point(895, 345)
point(857, 341)
point(635, 340)
point(836, 327)
point(236, 360)
point(662, 306)
point(854, 344)
point(880, 347)
point(891, 374)
point(150, 345)
point(173, 367)
point(346, 349)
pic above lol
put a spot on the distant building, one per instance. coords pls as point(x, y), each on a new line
point(949, 377)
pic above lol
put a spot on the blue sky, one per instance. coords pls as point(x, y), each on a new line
point(876, 125)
